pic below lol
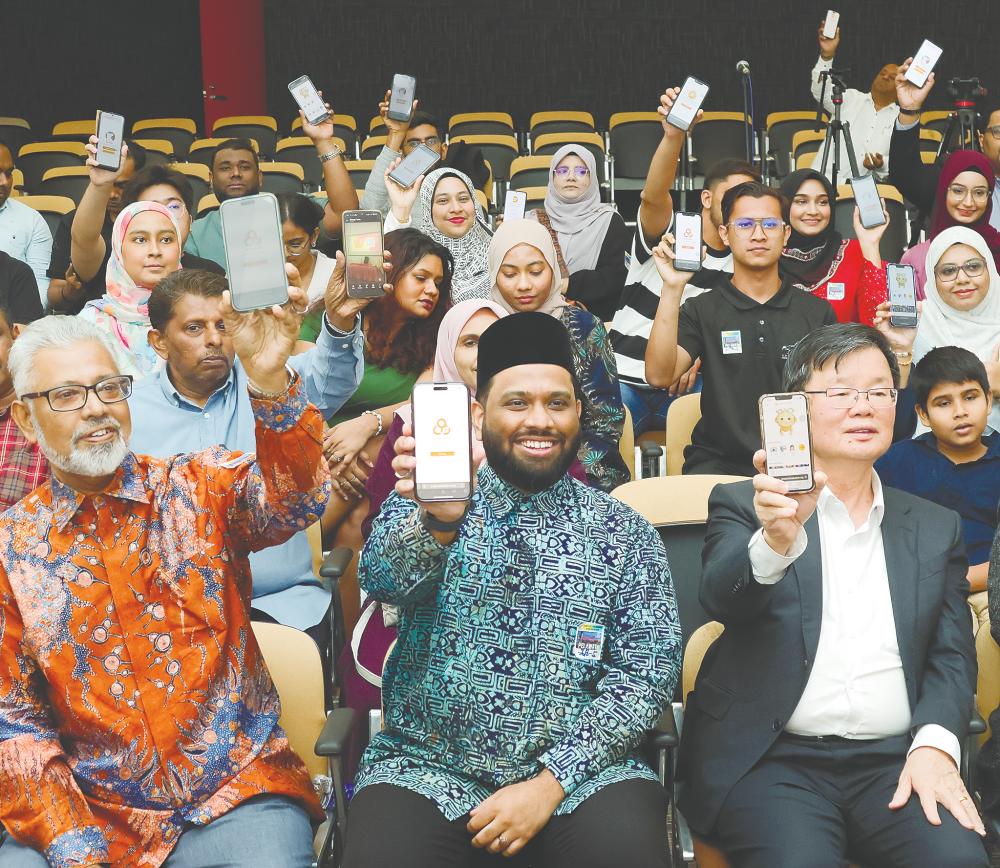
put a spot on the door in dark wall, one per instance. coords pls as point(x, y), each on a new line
point(232, 59)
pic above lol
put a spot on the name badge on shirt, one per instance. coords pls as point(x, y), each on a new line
point(835, 292)
point(589, 644)
point(732, 343)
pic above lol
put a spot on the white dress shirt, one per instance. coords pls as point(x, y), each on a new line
point(856, 688)
point(871, 130)
point(25, 235)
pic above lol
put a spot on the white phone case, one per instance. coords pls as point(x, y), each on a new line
point(923, 63)
point(513, 207)
point(830, 26)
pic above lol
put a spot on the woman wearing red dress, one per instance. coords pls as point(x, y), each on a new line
point(847, 272)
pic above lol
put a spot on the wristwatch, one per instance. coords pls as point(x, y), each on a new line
point(433, 523)
point(331, 155)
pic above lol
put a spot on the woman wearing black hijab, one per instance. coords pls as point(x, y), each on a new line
point(847, 272)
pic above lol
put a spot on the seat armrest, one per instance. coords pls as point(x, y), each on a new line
point(334, 565)
point(977, 726)
point(664, 734)
point(337, 728)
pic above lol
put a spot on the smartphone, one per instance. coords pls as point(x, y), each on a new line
point(404, 87)
point(442, 428)
point(255, 252)
point(363, 246)
point(923, 63)
point(868, 201)
point(688, 102)
point(687, 241)
point(902, 289)
point(787, 439)
point(513, 205)
point(414, 164)
point(110, 133)
point(830, 25)
point(309, 100)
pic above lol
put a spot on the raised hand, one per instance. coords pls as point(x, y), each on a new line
point(402, 198)
point(827, 47)
point(782, 515)
point(322, 131)
point(910, 97)
point(392, 125)
point(341, 310)
point(667, 101)
point(663, 258)
point(869, 239)
point(100, 177)
point(403, 466)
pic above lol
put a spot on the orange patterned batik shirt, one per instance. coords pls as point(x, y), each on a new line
point(133, 698)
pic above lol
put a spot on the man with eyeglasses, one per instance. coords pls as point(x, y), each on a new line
point(825, 723)
point(742, 330)
point(24, 234)
point(917, 182)
point(88, 247)
point(136, 712)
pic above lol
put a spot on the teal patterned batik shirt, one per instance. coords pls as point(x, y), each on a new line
point(544, 636)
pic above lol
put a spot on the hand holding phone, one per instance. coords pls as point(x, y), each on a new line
point(830, 24)
point(255, 251)
point(110, 139)
point(363, 246)
point(514, 204)
point(902, 290)
point(923, 63)
point(687, 241)
point(404, 89)
point(309, 100)
point(782, 514)
point(442, 428)
point(869, 202)
point(413, 165)
point(685, 108)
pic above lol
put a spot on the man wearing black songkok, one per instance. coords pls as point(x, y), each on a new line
point(538, 639)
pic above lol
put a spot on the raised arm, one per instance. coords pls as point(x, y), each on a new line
point(340, 193)
point(376, 195)
point(87, 248)
point(827, 52)
point(665, 360)
point(915, 181)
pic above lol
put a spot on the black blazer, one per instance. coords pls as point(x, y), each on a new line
point(753, 676)
point(917, 182)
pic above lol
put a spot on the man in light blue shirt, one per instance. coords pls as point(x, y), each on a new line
point(200, 400)
point(24, 234)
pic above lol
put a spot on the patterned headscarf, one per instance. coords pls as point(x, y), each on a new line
point(122, 311)
point(471, 278)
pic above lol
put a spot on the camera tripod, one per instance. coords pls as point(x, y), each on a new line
point(837, 129)
point(961, 130)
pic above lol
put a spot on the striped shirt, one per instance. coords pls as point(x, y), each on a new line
point(632, 323)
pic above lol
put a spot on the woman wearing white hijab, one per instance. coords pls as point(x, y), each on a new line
point(591, 236)
point(963, 309)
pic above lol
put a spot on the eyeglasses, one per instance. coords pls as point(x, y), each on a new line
point(175, 208)
point(430, 141)
point(63, 399)
point(295, 247)
point(746, 225)
point(994, 131)
point(578, 171)
point(844, 398)
point(979, 194)
point(972, 268)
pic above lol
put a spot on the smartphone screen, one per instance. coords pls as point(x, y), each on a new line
point(514, 203)
point(688, 102)
point(785, 434)
point(255, 253)
point(687, 241)
point(309, 100)
point(923, 63)
point(363, 248)
point(868, 201)
point(404, 88)
point(443, 433)
point(830, 25)
point(414, 164)
point(110, 132)
point(902, 295)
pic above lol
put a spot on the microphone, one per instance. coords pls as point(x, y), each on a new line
point(743, 68)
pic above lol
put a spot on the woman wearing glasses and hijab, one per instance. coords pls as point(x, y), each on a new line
point(591, 237)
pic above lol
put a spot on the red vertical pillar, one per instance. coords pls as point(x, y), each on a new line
point(232, 59)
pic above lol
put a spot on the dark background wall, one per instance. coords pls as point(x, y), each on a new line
point(61, 60)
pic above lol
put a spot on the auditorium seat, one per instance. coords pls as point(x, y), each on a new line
point(202, 150)
point(682, 415)
point(499, 150)
point(16, 132)
point(372, 147)
point(894, 239)
point(549, 143)
point(302, 151)
point(75, 131)
point(536, 197)
point(781, 127)
point(481, 123)
point(17, 183)
point(930, 140)
point(35, 158)
point(181, 132)
point(359, 170)
point(345, 128)
point(633, 138)
point(560, 122)
point(68, 181)
point(199, 176)
point(157, 150)
point(207, 203)
point(530, 171)
point(377, 127)
point(262, 128)
point(52, 208)
point(717, 136)
point(281, 177)
point(806, 142)
point(935, 120)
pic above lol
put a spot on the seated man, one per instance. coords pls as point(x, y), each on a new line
point(957, 463)
point(538, 639)
point(70, 287)
point(19, 290)
point(199, 400)
point(632, 322)
point(138, 718)
point(24, 234)
point(742, 331)
point(826, 719)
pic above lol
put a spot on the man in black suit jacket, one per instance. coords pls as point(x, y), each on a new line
point(827, 717)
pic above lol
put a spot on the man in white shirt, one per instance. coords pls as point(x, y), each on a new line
point(24, 234)
point(870, 116)
point(825, 721)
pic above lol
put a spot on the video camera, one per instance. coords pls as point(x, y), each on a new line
point(966, 90)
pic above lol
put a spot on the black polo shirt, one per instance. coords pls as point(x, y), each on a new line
point(743, 346)
point(18, 284)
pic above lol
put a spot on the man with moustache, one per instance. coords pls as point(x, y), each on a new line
point(538, 639)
